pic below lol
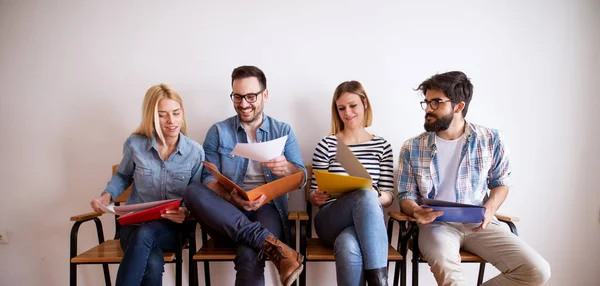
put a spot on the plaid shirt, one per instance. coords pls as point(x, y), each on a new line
point(483, 165)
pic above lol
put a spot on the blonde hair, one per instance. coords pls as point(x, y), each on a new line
point(354, 87)
point(150, 125)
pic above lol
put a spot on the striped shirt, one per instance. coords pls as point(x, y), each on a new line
point(483, 166)
point(375, 155)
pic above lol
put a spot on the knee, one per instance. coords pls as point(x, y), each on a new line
point(346, 248)
point(537, 271)
point(156, 261)
point(155, 266)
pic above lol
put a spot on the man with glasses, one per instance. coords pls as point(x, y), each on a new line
point(461, 162)
point(229, 219)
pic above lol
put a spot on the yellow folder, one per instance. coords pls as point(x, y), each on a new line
point(336, 185)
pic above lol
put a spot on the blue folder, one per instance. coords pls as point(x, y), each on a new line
point(455, 212)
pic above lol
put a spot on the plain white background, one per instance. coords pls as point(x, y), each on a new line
point(73, 75)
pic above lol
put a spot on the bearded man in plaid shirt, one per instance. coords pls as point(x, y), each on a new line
point(457, 161)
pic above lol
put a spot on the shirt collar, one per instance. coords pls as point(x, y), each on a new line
point(182, 145)
point(264, 126)
point(469, 131)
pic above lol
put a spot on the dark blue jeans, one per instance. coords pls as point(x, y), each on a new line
point(230, 226)
point(143, 261)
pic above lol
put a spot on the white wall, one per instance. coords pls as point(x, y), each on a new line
point(73, 75)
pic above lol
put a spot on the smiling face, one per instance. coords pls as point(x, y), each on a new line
point(170, 117)
point(249, 112)
point(351, 110)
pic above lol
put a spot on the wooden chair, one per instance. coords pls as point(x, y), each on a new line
point(209, 251)
point(109, 251)
point(466, 257)
point(315, 251)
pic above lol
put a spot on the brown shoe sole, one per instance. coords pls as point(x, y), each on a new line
point(290, 280)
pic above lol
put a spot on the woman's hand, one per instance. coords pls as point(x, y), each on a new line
point(104, 199)
point(177, 216)
point(318, 197)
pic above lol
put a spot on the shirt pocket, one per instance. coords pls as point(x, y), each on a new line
point(179, 181)
point(144, 180)
point(228, 162)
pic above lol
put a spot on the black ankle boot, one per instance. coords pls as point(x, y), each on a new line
point(377, 277)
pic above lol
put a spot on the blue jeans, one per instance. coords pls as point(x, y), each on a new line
point(354, 226)
point(143, 261)
point(229, 226)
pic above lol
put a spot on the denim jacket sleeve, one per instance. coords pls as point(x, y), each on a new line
point(197, 169)
point(123, 177)
point(291, 152)
point(211, 148)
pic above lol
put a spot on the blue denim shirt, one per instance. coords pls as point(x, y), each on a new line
point(221, 139)
point(154, 179)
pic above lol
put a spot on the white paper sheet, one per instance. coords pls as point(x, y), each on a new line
point(106, 209)
point(260, 152)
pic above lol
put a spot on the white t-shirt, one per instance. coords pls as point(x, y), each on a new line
point(255, 176)
point(448, 160)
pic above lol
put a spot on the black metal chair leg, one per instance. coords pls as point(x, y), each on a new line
point(206, 274)
point(481, 272)
point(106, 274)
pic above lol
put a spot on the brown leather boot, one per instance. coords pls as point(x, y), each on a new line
point(288, 261)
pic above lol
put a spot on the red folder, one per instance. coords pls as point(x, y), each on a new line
point(147, 211)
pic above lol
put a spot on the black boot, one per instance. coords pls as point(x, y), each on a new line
point(377, 277)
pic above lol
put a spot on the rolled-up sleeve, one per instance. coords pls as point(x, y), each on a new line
point(407, 185)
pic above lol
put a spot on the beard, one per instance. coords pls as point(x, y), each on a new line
point(440, 124)
point(256, 114)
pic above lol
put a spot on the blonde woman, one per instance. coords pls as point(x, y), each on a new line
point(353, 224)
point(161, 162)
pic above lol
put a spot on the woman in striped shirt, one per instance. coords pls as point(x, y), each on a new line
point(353, 223)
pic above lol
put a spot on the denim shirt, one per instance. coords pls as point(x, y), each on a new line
point(221, 139)
point(484, 165)
point(154, 179)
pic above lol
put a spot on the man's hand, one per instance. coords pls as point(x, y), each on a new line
point(425, 215)
point(280, 166)
point(487, 218)
point(244, 204)
point(177, 216)
point(104, 200)
point(318, 197)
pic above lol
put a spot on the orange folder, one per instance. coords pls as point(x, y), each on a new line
point(146, 211)
point(270, 190)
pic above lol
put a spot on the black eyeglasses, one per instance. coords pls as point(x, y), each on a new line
point(434, 103)
point(250, 97)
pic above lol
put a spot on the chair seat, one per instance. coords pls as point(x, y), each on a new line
point(317, 251)
point(211, 252)
point(109, 252)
